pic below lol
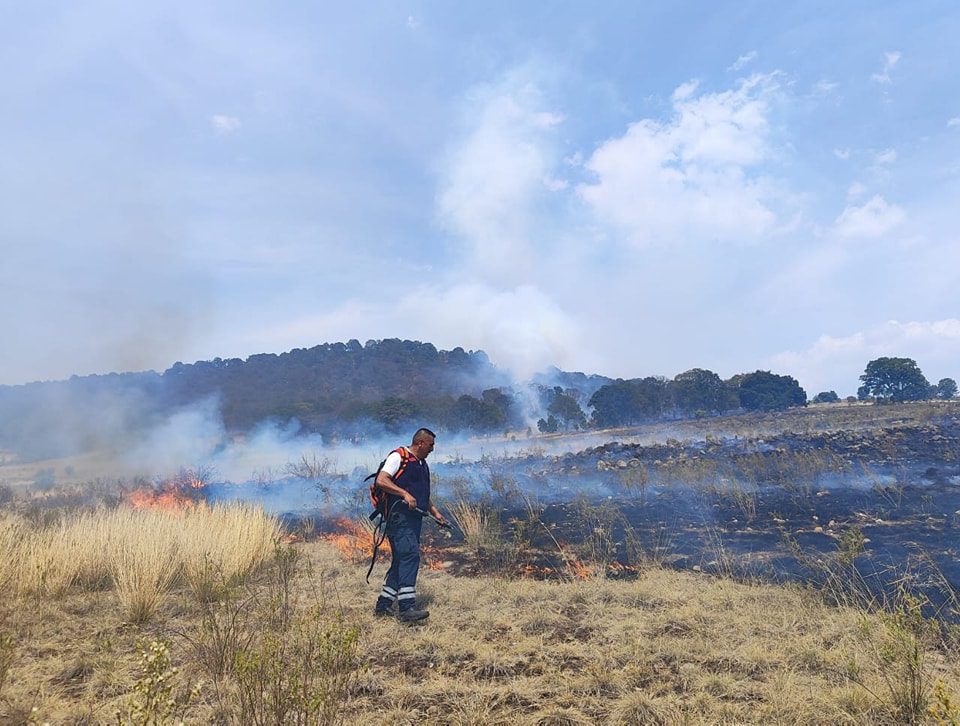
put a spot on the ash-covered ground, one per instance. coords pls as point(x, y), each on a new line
point(780, 506)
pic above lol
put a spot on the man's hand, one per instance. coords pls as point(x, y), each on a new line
point(410, 499)
point(441, 520)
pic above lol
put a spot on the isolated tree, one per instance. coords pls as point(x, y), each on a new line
point(826, 397)
point(549, 425)
point(946, 388)
point(895, 379)
point(766, 391)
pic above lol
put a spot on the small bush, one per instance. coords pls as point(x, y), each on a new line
point(300, 675)
point(898, 643)
point(154, 700)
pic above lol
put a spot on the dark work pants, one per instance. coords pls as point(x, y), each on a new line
point(403, 533)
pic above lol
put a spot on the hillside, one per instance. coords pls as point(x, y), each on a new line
point(337, 389)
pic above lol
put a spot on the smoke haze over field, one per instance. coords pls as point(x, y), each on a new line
point(629, 189)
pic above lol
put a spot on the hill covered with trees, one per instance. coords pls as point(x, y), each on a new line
point(352, 391)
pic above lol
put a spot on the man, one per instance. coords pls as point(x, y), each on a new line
point(405, 477)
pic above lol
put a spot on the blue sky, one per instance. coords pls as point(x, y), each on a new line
point(631, 189)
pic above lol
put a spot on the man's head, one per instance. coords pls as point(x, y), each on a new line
point(422, 443)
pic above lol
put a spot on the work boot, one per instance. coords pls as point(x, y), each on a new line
point(413, 615)
point(383, 612)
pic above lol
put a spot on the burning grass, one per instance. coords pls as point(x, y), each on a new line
point(353, 539)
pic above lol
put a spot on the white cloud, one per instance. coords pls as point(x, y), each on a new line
point(887, 156)
point(496, 174)
point(685, 90)
point(823, 87)
point(743, 60)
point(224, 124)
point(554, 184)
point(873, 219)
point(837, 363)
point(890, 60)
point(955, 121)
point(855, 191)
point(690, 178)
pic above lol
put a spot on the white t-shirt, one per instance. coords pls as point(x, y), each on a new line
point(392, 464)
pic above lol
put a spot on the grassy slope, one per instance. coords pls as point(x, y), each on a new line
point(670, 647)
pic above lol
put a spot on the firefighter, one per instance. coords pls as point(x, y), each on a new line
point(405, 477)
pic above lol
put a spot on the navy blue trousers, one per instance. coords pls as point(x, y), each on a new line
point(400, 584)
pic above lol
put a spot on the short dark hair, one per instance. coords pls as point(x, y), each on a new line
point(423, 433)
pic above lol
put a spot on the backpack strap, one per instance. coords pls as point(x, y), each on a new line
point(405, 458)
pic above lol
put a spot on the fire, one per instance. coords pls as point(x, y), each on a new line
point(432, 557)
point(167, 499)
point(353, 539)
point(572, 568)
point(618, 568)
point(182, 492)
point(577, 569)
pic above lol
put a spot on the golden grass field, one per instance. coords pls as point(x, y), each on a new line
point(204, 616)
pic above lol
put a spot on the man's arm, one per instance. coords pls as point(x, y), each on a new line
point(386, 482)
point(436, 513)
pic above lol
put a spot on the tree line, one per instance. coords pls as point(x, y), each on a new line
point(694, 393)
point(349, 390)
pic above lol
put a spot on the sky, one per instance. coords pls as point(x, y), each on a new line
point(629, 189)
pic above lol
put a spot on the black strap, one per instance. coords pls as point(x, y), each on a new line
point(380, 529)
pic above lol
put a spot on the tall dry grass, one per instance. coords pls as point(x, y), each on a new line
point(140, 553)
point(478, 523)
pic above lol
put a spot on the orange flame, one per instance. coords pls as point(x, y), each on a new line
point(577, 569)
point(354, 541)
point(182, 492)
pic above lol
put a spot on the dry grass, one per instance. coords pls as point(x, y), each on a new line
point(669, 647)
point(478, 524)
point(139, 553)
